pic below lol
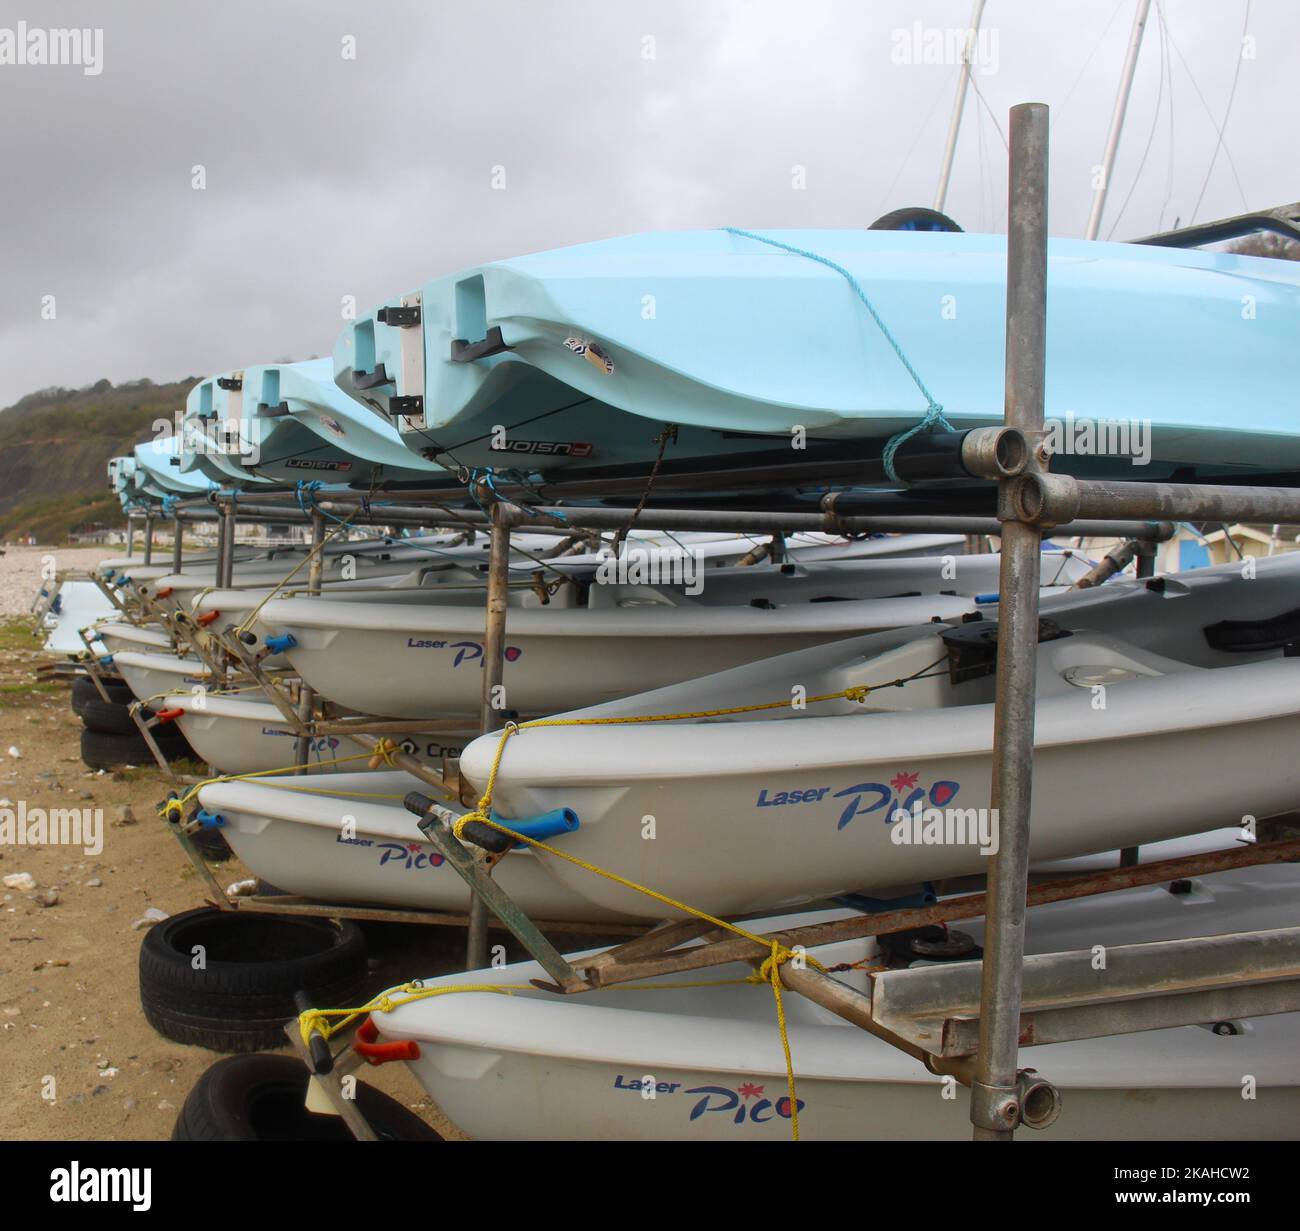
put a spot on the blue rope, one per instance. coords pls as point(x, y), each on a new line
point(934, 416)
point(306, 492)
point(488, 475)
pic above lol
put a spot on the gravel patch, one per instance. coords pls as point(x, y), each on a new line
point(20, 570)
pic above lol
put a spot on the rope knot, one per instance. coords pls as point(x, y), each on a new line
point(384, 753)
point(859, 692)
point(774, 961)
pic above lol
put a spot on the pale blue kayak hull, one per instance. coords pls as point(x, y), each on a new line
point(213, 444)
point(307, 429)
point(582, 354)
point(157, 471)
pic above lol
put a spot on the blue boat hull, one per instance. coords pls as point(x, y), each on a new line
point(577, 358)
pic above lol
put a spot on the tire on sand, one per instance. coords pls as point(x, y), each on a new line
point(109, 750)
point(115, 719)
point(250, 967)
point(83, 690)
point(260, 1098)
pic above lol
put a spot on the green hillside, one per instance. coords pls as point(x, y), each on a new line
point(54, 451)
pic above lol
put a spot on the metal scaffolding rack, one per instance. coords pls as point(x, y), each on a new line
point(965, 1020)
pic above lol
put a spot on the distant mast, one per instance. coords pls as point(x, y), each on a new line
point(1117, 118)
point(959, 105)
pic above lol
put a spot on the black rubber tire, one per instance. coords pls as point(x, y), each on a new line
point(260, 1098)
point(114, 719)
point(254, 965)
point(83, 690)
point(211, 844)
point(914, 218)
point(109, 750)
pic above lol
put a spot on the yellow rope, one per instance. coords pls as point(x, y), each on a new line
point(384, 753)
point(313, 1020)
point(769, 972)
point(284, 769)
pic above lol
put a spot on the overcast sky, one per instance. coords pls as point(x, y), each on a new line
point(329, 176)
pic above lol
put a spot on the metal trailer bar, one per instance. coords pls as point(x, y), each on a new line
point(1056, 499)
point(758, 522)
point(563, 519)
point(1148, 986)
point(657, 954)
point(491, 717)
point(307, 694)
point(995, 1096)
point(225, 544)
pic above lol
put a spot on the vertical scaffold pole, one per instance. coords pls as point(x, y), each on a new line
point(995, 1102)
point(307, 694)
point(148, 538)
point(490, 715)
point(225, 544)
point(178, 544)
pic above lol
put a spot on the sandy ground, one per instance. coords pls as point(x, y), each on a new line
point(78, 1061)
point(21, 570)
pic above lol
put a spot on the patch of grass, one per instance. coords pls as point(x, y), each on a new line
point(13, 689)
point(19, 633)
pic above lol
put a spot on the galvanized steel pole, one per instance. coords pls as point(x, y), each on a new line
point(995, 1104)
point(148, 538)
point(225, 545)
point(490, 714)
point(178, 544)
point(307, 694)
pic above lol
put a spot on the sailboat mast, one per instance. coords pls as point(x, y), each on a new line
point(958, 105)
point(1117, 118)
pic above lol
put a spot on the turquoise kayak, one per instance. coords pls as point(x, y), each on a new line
point(1159, 360)
point(215, 441)
point(155, 469)
point(305, 428)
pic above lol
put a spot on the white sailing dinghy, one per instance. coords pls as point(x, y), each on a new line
point(764, 809)
point(424, 660)
point(538, 1066)
point(152, 675)
point(117, 635)
point(245, 735)
point(76, 604)
point(345, 837)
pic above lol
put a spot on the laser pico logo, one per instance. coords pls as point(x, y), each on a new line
point(901, 794)
point(466, 651)
point(405, 856)
point(747, 1103)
